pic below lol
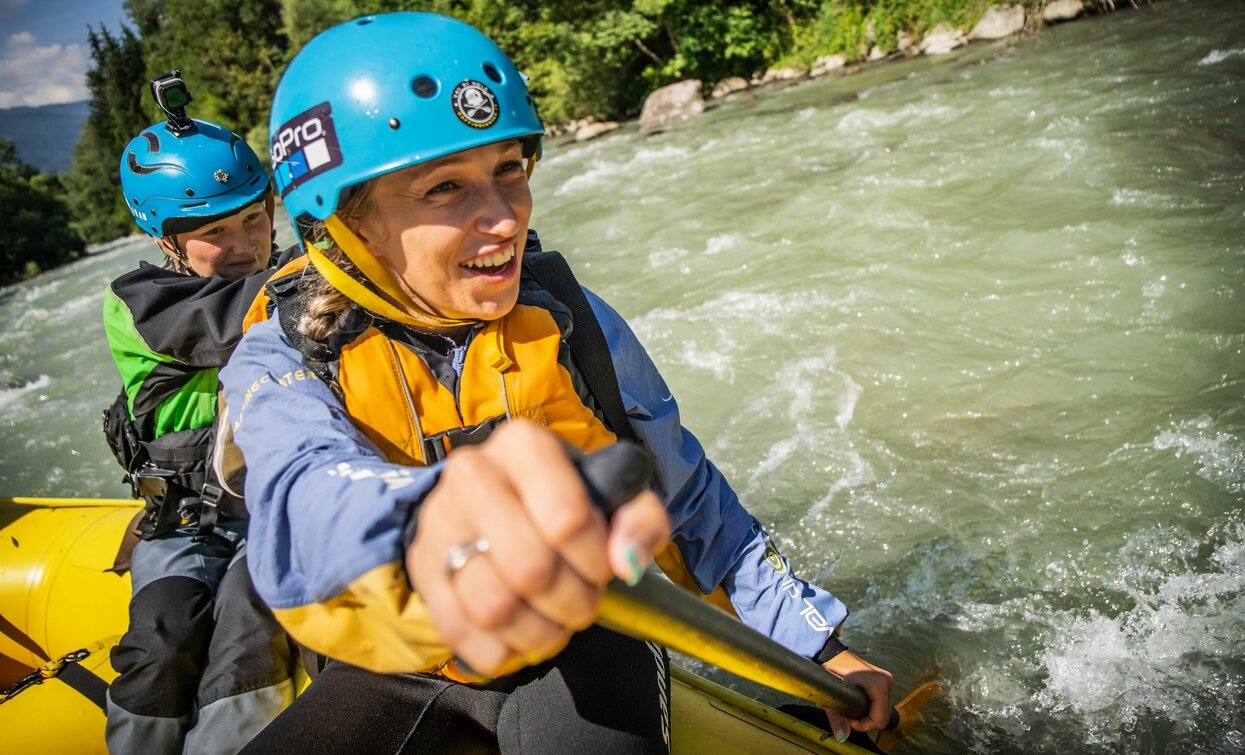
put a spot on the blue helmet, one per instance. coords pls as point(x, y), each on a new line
point(382, 93)
point(174, 184)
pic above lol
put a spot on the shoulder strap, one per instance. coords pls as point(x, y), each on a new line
point(587, 341)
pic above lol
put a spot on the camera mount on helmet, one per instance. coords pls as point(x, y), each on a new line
point(172, 96)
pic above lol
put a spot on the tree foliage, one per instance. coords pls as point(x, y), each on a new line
point(37, 222)
point(583, 57)
point(117, 86)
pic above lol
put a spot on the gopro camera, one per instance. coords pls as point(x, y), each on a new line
point(171, 94)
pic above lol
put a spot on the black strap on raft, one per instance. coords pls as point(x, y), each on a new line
point(68, 670)
point(589, 348)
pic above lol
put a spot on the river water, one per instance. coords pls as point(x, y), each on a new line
point(966, 334)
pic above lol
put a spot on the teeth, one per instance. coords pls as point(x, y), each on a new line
point(492, 260)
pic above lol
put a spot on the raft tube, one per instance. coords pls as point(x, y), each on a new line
point(58, 596)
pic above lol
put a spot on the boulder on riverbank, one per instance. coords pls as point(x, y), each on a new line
point(593, 130)
point(1062, 10)
point(672, 103)
point(778, 74)
point(729, 85)
point(999, 22)
point(827, 63)
point(942, 39)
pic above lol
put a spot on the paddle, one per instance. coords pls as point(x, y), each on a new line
point(659, 611)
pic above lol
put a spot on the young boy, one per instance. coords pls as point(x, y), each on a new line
point(203, 666)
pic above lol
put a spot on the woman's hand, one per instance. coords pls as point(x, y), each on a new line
point(876, 683)
point(518, 599)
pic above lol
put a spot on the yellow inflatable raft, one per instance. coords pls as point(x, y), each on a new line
point(62, 610)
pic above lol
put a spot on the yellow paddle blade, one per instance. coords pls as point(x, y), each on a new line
point(909, 713)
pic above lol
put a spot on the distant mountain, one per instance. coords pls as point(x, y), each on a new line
point(45, 135)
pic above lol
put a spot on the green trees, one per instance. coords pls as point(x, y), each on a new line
point(117, 84)
point(230, 53)
point(38, 235)
point(584, 57)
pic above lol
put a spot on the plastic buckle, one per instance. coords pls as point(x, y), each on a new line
point(209, 510)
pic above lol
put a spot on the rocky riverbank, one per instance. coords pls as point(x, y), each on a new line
point(686, 99)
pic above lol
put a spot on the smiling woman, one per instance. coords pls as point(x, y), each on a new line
point(426, 526)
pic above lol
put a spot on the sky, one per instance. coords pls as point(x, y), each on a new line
point(43, 48)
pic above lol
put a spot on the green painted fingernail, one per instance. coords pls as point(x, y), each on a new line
point(636, 572)
point(842, 737)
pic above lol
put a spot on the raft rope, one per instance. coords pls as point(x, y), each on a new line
point(68, 670)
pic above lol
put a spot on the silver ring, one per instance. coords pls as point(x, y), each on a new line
point(458, 555)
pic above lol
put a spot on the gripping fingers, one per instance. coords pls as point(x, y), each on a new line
point(492, 606)
point(640, 528)
point(554, 499)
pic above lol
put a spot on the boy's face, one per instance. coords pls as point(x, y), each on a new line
point(232, 247)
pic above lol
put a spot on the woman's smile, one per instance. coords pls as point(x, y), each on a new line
point(494, 265)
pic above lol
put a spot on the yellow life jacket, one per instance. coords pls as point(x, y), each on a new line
point(511, 370)
point(515, 367)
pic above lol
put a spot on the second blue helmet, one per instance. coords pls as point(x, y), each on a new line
point(175, 183)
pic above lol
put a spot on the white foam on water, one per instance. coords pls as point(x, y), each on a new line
point(1218, 56)
point(864, 120)
point(722, 243)
point(720, 363)
point(1163, 657)
point(801, 394)
point(660, 258)
point(37, 291)
point(1220, 455)
point(726, 315)
point(601, 171)
point(91, 303)
point(1010, 91)
point(9, 396)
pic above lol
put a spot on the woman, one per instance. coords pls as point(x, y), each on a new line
point(203, 666)
point(423, 516)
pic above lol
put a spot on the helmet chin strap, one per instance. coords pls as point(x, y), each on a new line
point(390, 301)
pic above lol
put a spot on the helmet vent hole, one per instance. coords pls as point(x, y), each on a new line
point(424, 86)
point(190, 192)
point(153, 212)
point(365, 21)
point(394, 123)
point(491, 71)
point(319, 199)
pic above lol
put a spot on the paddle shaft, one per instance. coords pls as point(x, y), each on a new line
point(659, 611)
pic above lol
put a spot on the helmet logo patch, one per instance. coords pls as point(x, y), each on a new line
point(304, 147)
point(221, 176)
point(474, 104)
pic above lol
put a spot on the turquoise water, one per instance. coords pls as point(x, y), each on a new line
point(965, 333)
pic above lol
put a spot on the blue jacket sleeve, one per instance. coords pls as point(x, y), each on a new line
point(721, 544)
point(327, 510)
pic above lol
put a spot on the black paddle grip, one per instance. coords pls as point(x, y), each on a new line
point(616, 474)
